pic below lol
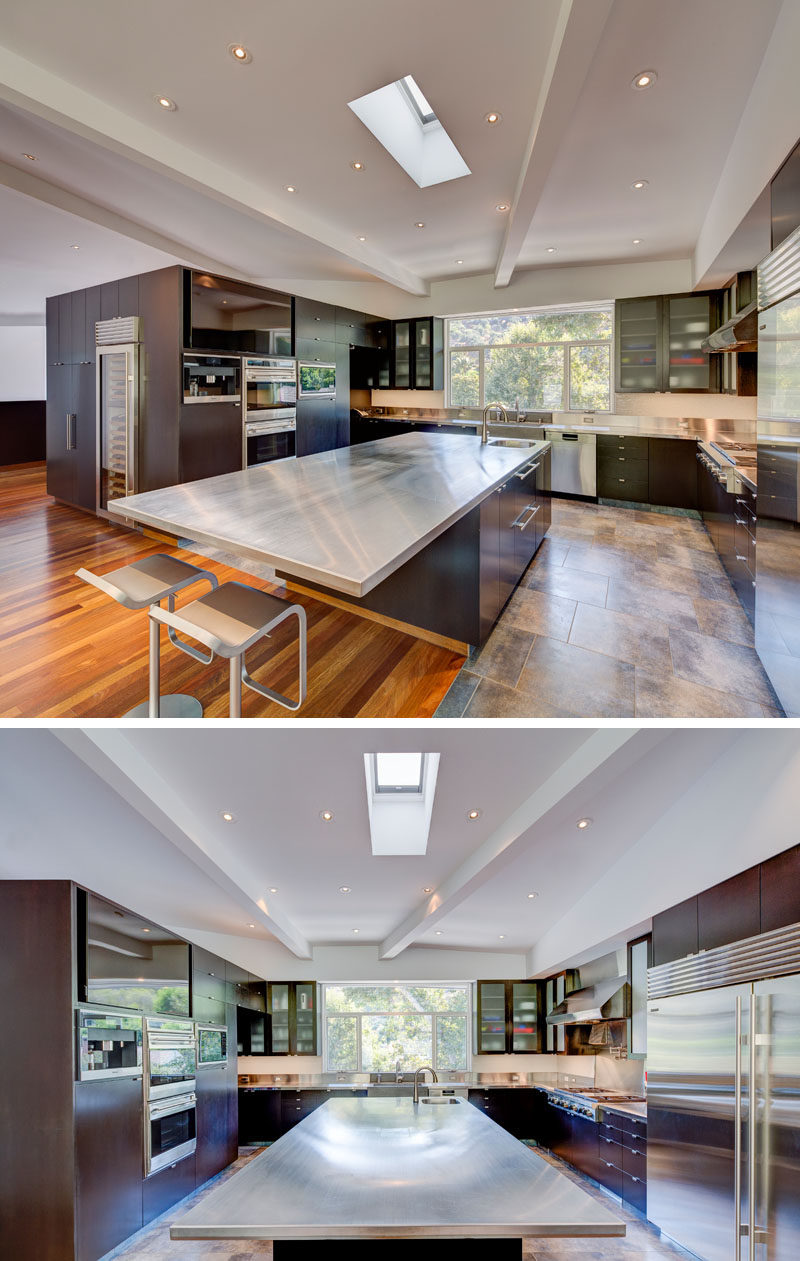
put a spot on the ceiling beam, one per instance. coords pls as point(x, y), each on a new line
point(600, 760)
point(107, 752)
point(29, 87)
point(578, 29)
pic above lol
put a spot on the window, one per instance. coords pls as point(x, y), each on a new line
point(369, 1028)
point(545, 360)
point(398, 772)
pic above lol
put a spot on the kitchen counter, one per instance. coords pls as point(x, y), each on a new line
point(391, 1169)
point(473, 1081)
point(345, 519)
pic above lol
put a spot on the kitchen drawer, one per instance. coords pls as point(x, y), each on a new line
point(610, 1127)
point(608, 1173)
point(628, 1124)
point(635, 1163)
point(610, 1149)
point(634, 1192)
point(629, 465)
point(624, 482)
point(611, 444)
point(163, 1189)
point(745, 508)
point(315, 349)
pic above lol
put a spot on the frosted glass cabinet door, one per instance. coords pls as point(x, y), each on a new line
point(524, 1017)
point(491, 1017)
point(278, 1008)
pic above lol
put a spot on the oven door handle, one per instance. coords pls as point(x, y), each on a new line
point(169, 1108)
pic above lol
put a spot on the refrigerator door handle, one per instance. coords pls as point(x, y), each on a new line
point(737, 1133)
point(751, 1134)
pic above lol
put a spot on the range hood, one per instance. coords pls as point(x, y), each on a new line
point(606, 1000)
point(740, 333)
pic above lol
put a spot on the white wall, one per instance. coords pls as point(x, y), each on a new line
point(22, 363)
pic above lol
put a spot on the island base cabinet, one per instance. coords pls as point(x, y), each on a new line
point(402, 1249)
point(260, 1119)
point(163, 1189)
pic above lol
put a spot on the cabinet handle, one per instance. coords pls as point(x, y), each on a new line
point(738, 522)
point(621, 459)
point(738, 557)
point(71, 431)
point(634, 1179)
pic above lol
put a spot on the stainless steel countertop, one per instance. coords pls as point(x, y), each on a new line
point(389, 1168)
point(359, 1081)
point(346, 518)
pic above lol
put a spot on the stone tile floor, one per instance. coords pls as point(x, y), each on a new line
point(642, 1241)
point(622, 613)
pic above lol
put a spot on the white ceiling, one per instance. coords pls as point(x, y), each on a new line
point(206, 183)
point(134, 814)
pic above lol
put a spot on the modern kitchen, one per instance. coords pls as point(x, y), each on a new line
point(514, 992)
point(402, 422)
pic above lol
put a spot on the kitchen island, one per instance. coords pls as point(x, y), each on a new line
point(424, 532)
point(391, 1176)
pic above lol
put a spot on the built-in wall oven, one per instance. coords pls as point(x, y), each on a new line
point(109, 1045)
point(270, 413)
point(170, 1082)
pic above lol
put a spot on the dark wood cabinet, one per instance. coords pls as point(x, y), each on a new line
point(506, 1017)
point(84, 386)
point(730, 911)
point(163, 1189)
point(417, 354)
point(216, 1136)
point(675, 932)
point(77, 330)
point(293, 1018)
point(210, 440)
point(209, 987)
point(91, 317)
point(317, 425)
point(657, 344)
point(673, 472)
point(260, 1118)
point(780, 890)
point(109, 301)
point(60, 431)
point(623, 468)
point(108, 1163)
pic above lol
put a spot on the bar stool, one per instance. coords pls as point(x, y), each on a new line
point(229, 620)
point(144, 584)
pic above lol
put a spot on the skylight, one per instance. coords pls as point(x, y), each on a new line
point(400, 792)
point(398, 772)
point(401, 117)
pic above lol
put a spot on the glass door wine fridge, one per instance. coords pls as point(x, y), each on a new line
point(117, 416)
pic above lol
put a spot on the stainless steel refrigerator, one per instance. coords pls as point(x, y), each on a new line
point(777, 620)
point(723, 1113)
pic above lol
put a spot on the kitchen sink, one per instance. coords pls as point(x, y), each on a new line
point(439, 1099)
point(512, 442)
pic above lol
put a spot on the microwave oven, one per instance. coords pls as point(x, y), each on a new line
point(212, 1045)
point(316, 380)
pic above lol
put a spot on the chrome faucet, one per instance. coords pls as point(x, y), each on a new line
point(491, 407)
point(398, 1072)
point(426, 1068)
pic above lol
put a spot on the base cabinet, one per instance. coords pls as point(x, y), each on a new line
point(108, 1164)
point(163, 1189)
point(216, 1136)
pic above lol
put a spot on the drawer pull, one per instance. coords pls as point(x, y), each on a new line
point(621, 458)
point(744, 558)
point(635, 1179)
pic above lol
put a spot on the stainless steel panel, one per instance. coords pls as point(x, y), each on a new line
point(776, 953)
point(776, 1145)
point(573, 468)
point(693, 1185)
point(779, 273)
point(390, 1168)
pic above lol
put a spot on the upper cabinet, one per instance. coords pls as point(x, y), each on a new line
point(418, 354)
point(293, 1018)
point(657, 344)
point(506, 1017)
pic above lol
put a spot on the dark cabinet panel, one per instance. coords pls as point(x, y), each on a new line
point(314, 320)
point(675, 932)
point(315, 350)
point(85, 454)
point(163, 1189)
point(108, 1159)
point(673, 473)
point(160, 305)
point(64, 328)
point(214, 1083)
point(77, 336)
point(92, 315)
point(260, 1119)
point(342, 394)
point(51, 330)
point(351, 327)
point(109, 300)
point(317, 426)
point(60, 434)
point(730, 911)
point(129, 295)
point(780, 890)
point(210, 440)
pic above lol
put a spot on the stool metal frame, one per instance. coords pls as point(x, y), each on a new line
point(229, 620)
point(143, 585)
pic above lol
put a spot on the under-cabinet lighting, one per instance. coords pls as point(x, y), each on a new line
point(400, 116)
point(361, 238)
point(459, 261)
point(251, 925)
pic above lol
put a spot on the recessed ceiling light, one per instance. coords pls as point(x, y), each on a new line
point(227, 816)
point(551, 249)
point(240, 53)
point(355, 930)
point(459, 261)
point(637, 240)
point(439, 932)
point(273, 889)
point(502, 937)
point(501, 206)
point(290, 188)
point(165, 103)
point(361, 238)
point(31, 157)
point(474, 814)
point(428, 888)
point(639, 184)
point(419, 225)
point(584, 823)
point(344, 888)
point(74, 247)
point(358, 166)
point(533, 895)
point(145, 930)
point(326, 816)
point(644, 79)
point(251, 925)
point(494, 117)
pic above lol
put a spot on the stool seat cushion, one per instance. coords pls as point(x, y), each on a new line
point(145, 581)
point(232, 617)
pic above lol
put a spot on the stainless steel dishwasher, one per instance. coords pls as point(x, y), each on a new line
point(573, 462)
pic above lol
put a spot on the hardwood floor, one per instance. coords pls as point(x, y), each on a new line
point(67, 651)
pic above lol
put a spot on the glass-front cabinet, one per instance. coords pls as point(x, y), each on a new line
point(293, 1018)
point(506, 1017)
point(658, 344)
point(417, 354)
point(401, 335)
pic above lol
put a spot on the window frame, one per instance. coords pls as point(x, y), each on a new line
point(566, 378)
point(428, 1011)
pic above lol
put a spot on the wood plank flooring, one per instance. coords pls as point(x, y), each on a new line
point(642, 1242)
point(623, 613)
point(67, 651)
